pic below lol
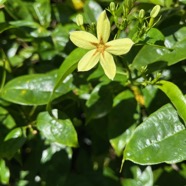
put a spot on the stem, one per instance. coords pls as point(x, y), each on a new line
point(3, 76)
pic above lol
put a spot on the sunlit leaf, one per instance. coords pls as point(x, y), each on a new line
point(34, 89)
point(59, 129)
point(174, 51)
point(91, 16)
point(4, 172)
point(144, 178)
point(158, 139)
point(175, 95)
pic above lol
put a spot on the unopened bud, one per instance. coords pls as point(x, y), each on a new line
point(129, 3)
point(155, 11)
point(112, 6)
point(141, 14)
point(79, 20)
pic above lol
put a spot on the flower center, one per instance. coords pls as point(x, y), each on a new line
point(101, 47)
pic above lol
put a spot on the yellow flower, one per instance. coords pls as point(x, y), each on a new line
point(100, 49)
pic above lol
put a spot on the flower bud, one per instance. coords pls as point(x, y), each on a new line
point(141, 14)
point(79, 20)
point(112, 6)
point(155, 11)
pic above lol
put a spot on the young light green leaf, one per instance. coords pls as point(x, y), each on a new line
point(158, 139)
point(59, 129)
point(175, 95)
point(4, 173)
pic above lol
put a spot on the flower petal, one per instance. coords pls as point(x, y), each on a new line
point(119, 46)
point(89, 60)
point(103, 27)
point(108, 64)
point(83, 39)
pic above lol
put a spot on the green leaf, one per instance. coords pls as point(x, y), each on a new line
point(158, 139)
point(12, 142)
point(182, 1)
point(175, 95)
point(38, 30)
point(4, 26)
point(121, 122)
point(4, 172)
point(174, 53)
point(2, 1)
point(149, 54)
point(100, 103)
point(158, 2)
point(60, 37)
point(91, 16)
point(59, 129)
point(144, 178)
point(118, 143)
point(154, 35)
point(174, 34)
point(6, 119)
point(35, 89)
point(18, 10)
point(43, 12)
point(68, 66)
point(26, 23)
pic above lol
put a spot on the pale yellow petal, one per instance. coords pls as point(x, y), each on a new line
point(83, 39)
point(103, 27)
point(88, 61)
point(108, 64)
point(119, 46)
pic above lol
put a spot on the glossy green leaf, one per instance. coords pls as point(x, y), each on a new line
point(174, 53)
point(148, 55)
point(175, 95)
point(42, 10)
point(4, 172)
point(59, 129)
point(18, 10)
point(118, 143)
point(91, 16)
point(154, 35)
point(12, 142)
point(178, 36)
point(35, 89)
point(26, 23)
point(68, 66)
point(158, 139)
point(60, 37)
point(144, 178)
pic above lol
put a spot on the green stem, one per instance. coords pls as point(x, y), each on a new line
point(3, 76)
